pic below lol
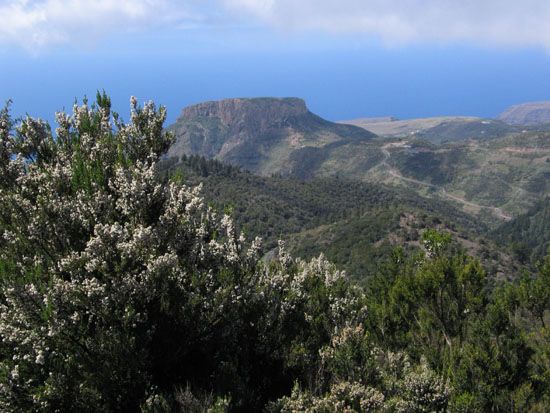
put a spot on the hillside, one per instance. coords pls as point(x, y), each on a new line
point(459, 129)
point(263, 135)
point(355, 224)
point(436, 130)
point(532, 113)
point(528, 235)
point(500, 177)
point(391, 126)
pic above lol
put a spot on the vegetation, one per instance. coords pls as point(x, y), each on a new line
point(440, 129)
point(487, 168)
point(509, 172)
point(528, 236)
point(489, 342)
point(456, 130)
point(122, 290)
point(354, 224)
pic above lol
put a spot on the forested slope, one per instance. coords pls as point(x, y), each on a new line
point(355, 224)
point(528, 235)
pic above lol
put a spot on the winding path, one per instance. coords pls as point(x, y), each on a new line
point(442, 191)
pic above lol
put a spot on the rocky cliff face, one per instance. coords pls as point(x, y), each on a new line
point(259, 113)
point(263, 135)
point(533, 113)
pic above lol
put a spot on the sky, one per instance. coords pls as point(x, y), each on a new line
point(346, 58)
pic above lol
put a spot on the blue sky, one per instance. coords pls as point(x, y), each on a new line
point(347, 58)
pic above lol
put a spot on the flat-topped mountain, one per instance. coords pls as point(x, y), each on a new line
point(531, 113)
point(264, 135)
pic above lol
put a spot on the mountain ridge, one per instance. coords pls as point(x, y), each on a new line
point(436, 129)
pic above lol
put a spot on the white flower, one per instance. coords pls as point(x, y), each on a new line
point(40, 358)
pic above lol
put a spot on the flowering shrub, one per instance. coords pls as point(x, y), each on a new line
point(363, 378)
point(342, 397)
point(118, 288)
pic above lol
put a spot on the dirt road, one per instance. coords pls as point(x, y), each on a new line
point(440, 190)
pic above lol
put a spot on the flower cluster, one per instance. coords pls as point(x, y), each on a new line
point(356, 376)
point(115, 281)
point(342, 397)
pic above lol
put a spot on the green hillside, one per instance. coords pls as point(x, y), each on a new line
point(438, 129)
point(528, 235)
point(530, 113)
point(356, 225)
point(509, 173)
point(457, 130)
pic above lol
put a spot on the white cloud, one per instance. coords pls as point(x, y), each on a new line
point(39, 23)
point(35, 24)
point(492, 22)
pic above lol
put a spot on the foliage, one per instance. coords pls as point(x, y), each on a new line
point(528, 235)
point(356, 225)
point(359, 377)
point(491, 345)
point(117, 289)
point(122, 290)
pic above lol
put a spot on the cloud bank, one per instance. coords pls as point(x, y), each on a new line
point(492, 22)
point(37, 23)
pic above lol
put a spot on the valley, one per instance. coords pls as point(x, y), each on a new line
point(291, 164)
point(494, 176)
point(355, 224)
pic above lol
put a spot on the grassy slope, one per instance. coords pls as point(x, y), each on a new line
point(403, 127)
point(438, 129)
point(495, 179)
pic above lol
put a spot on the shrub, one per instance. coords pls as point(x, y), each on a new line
point(118, 287)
